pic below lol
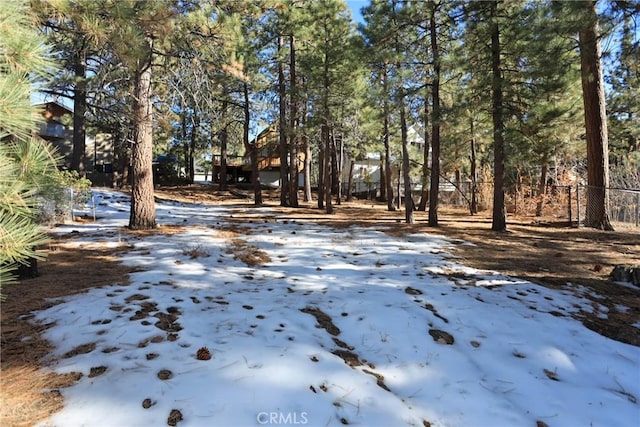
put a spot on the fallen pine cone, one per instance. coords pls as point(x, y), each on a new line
point(203, 353)
point(174, 417)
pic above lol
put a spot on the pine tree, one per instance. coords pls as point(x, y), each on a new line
point(597, 215)
point(25, 162)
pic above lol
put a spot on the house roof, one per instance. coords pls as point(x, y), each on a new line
point(54, 105)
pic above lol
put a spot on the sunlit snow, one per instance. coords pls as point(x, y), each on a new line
point(518, 357)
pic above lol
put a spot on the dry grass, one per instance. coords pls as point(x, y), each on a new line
point(249, 254)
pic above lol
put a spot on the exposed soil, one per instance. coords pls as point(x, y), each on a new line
point(537, 249)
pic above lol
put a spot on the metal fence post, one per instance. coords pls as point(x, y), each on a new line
point(578, 202)
point(638, 209)
point(570, 213)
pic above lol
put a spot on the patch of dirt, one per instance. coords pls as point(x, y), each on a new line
point(165, 374)
point(97, 371)
point(441, 337)
point(324, 320)
point(67, 270)
point(175, 417)
point(249, 254)
point(81, 349)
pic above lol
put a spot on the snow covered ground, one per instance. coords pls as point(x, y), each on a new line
point(341, 327)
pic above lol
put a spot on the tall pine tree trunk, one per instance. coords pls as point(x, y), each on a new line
point(293, 141)
point(499, 222)
point(325, 130)
point(185, 144)
point(387, 147)
point(79, 111)
point(251, 148)
point(434, 188)
point(406, 176)
point(307, 157)
point(143, 210)
point(223, 137)
point(595, 118)
point(473, 207)
point(192, 147)
point(424, 194)
point(352, 165)
point(283, 129)
point(542, 186)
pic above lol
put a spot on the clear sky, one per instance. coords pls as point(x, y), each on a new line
point(355, 6)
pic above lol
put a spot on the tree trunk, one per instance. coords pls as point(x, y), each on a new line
point(473, 207)
point(542, 186)
point(350, 182)
point(185, 144)
point(382, 184)
point(499, 222)
point(251, 148)
point(387, 147)
point(223, 136)
point(283, 129)
point(307, 154)
point(79, 111)
point(406, 165)
point(327, 170)
point(321, 157)
point(143, 211)
point(335, 166)
point(325, 131)
point(192, 147)
point(424, 194)
point(595, 118)
point(434, 188)
point(293, 143)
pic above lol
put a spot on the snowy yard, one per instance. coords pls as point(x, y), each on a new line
point(325, 327)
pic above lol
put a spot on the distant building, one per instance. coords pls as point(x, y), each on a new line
point(268, 143)
point(367, 168)
point(99, 154)
point(55, 131)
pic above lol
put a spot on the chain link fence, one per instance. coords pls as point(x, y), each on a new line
point(554, 203)
point(58, 207)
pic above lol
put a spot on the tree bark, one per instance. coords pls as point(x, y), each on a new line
point(542, 186)
point(424, 194)
point(434, 188)
point(499, 222)
point(282, 131)
point(595, 118)
point(473, 207)
point(293, 141)
point(335, 167)
point(143, 211)
point(406, 176)
point(352, 165)
point(79, 111)
point(251, 148)
point(325, 130)
point(192, 147)
point(307, 158)
point(387, 147)
point(185, 144)
point(223, 137)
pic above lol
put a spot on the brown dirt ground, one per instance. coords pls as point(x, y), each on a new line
point(549, 254)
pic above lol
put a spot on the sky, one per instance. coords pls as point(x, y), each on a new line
point(340, 326)
point(355, 6)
